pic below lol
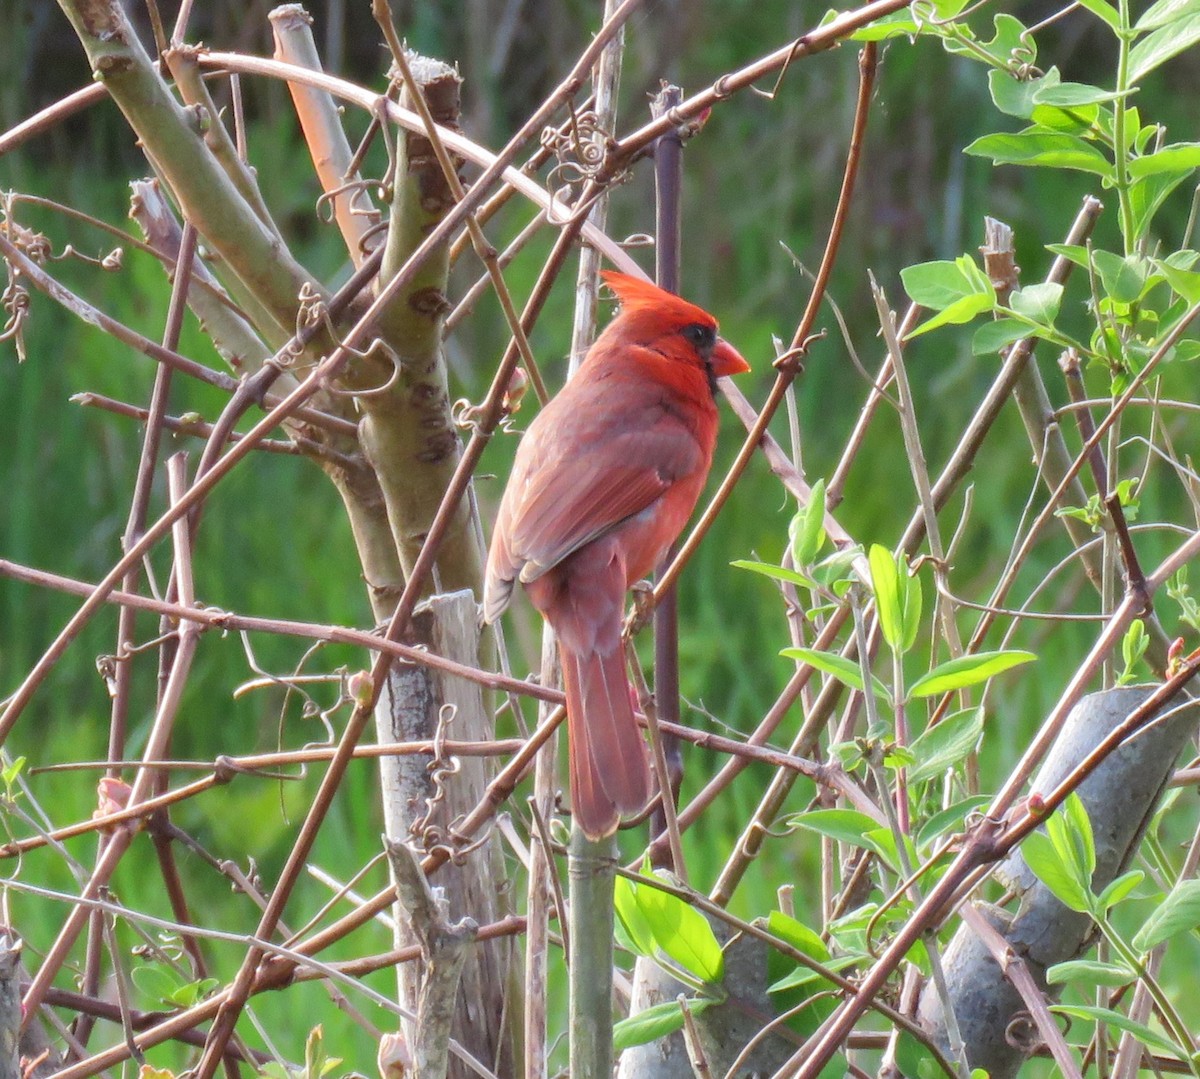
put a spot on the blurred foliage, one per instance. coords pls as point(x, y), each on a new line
point(761, 183)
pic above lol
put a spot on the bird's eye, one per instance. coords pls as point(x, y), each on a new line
point(702, 337)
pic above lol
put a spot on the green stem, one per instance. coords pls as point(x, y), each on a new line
point(1121, 150)
point(1171, 1017)
point(591, 870)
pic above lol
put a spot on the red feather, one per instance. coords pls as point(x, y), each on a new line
point(604, 481)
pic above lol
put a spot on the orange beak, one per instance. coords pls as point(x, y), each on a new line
point(726, 360)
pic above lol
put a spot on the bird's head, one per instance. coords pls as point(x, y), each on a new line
point(655, 318)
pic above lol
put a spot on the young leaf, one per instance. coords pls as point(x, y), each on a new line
point(937, 285)
point(1038, 302)
point(1014, 96)
point(1149, 1037)
point(885, 582)
point(1164, 11)
point(948, 820)
point(1178, 913)
point(967, 671)
point(943, 746)
point(1090, 973)
point(807, 528)
point(1124, 278)
point(1048, 865)
point(844, 670)
point(847, 826)
point(1179, 155)
point(1072, 827)
point(1160, 45)
point(631, 918)
point(897, 598)
point(680, 931)
point(1042, 149)
point(1120, 889)
point(1104, 11)
point(654, 1022)
point(797, 934)
point(1068, 95)
point(777, 573)
point(997, 335)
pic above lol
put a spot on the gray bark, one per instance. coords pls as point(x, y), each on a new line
point(1121, 795)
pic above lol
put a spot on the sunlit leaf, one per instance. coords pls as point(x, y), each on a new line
point(1038, 302)
point(944, 745)
point(1179, 155)
point(1144, 1034)
point(1162, 44)
point(654, 1022)
point(997, 335)
point(1055, 872)
point(1178, 913)
point(1090, 972)
point(967, 671)
point(777, 573)
point(1050, 150)
point(841, 668)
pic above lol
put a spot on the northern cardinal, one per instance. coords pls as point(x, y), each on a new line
point(604, 481)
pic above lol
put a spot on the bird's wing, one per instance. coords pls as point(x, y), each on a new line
point(594, 475)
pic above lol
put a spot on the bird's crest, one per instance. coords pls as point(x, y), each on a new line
point(638, 295)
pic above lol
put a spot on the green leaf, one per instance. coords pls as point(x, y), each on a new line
point(1042, 149)
point(967, 671)
point(631, 918)
point(844, 670)
point(654, 1022)
point(778, 573)
point(1089, 972)
point(807, 528)
point(1164, 12)
point(956, 314)
point(1038, 302)
point(1144, 1034)
point(805, 940)
point(1120, 889)
point(1147, 195)
point(1179, 155)
point(1178, 913)
point(1075, 253)
point(997, 335)
point(847, 826)
point(1162, 44)
point(943, 746)
point(1184, 282)
point(1048, 865)
point(679, 930)
point(937, 285)
point(1071, 830)
point(948, 820)
point(797, 934)
point(898, 24)
point(806, 975)
point(1104, 11)
point(1124, 278)
point(1014, 96)
point(885, 582)
point(1068, 95)
point(957, 291)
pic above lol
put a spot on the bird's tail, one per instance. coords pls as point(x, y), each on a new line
point(610, 774)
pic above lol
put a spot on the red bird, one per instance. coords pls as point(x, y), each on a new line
point(603, 483)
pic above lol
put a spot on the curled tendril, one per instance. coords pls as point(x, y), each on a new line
point(423, 829)
point(15, 301)
point(326, 210)
point(581, 142)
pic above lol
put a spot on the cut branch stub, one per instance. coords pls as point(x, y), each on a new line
point(407, 430)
